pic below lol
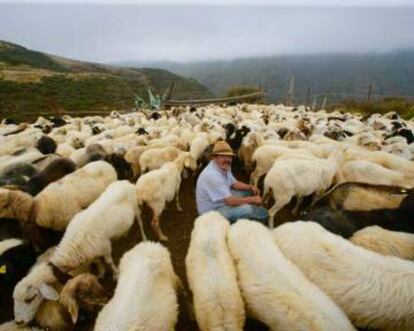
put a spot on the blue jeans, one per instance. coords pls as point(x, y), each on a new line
point(251, 212)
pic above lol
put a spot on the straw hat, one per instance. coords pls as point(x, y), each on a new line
point(222, 148)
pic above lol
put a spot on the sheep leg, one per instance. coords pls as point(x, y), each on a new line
point(141, 226)
point(254, 178)
point(177, 201)
point(278, 205)
point(109, 260)
point(298, 203)
point(155, 223)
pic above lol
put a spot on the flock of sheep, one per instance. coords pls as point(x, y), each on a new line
point(70, 186)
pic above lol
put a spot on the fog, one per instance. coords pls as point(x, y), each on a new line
point(107, 32)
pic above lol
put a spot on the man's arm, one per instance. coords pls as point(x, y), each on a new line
point(237, 201)
point(238, 185)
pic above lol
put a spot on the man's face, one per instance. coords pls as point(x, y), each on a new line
point(223, 161)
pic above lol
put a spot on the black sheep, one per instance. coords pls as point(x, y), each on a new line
point(141, 131)
point(58, 121)
point(17, 174)
point(122, 167)
point(46, 145)
point(350, 206)
point(15, 262)
point(155, 116)
point(96, 130)
point(52, 172)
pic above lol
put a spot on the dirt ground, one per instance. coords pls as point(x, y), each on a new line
point(177, 226)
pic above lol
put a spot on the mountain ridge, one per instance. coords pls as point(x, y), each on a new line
point(37, 82)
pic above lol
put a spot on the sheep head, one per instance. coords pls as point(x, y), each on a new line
point(85, 290)
point(15, 204)
point(31, 291)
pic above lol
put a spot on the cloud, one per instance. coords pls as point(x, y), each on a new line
point(108, 33)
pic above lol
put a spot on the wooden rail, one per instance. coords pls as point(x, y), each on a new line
point(169, 103)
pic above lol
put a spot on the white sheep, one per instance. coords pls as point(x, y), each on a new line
point(154, 158)
point(212, 276)
point(36, 296)
point(375, 291)
point(13, 326)
point(32, 290)
point(298, 178)
point(275, 290)
point(145, 296)
point(264, 157)
point(199, 144)
point(89, 234)
point(384, 159)
point(385, 242)
point(58, 202)
point(132, 156)
point(368, 172)
point(160, 186)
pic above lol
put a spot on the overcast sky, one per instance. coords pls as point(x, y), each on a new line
point(104, 32)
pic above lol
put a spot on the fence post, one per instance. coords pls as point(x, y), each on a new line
point(314, 102)
point(325, 99)
point(369, 92)
point(290, 100)
point(307, 97)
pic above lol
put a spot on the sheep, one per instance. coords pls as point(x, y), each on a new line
point(373, 173)
point(89, 234)
point(158, 187)
point(212, 276)
point(154, 158)
point(16, 258)
point(36, 295)
point(46, 145)
point(57, 169)
point(11, 161)
point(385, 242)
point(56, 204)
point(299, 177)
point(387, 160)
point(145, 292)
point(375, 291)
point(12, 326)
point(275, 290)
point(265, 156)
point(83, 291)
point(245, 153)
point(349, 207)
point(65, 150)
point(199, 144)
point(92, 152)
point(132, 157)
point(32, 290)
point(121, 166)
point(17, 174)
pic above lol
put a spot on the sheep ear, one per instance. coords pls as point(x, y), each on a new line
point(48, 292)
point(73, 310)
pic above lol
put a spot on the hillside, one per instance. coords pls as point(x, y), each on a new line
point(35, 82)
point(344, 75)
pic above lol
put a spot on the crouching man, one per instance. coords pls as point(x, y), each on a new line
point(217, 189)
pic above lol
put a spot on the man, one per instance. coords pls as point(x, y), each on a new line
point(217, 189)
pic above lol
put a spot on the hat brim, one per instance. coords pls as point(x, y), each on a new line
point(223, 154)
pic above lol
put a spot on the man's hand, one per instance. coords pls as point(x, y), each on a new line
point(256, 200)
point(254, 190)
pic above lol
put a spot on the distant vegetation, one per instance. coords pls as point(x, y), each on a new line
point(400, 105)
point(33, 82)
point(343, 76)
point(236, 91)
